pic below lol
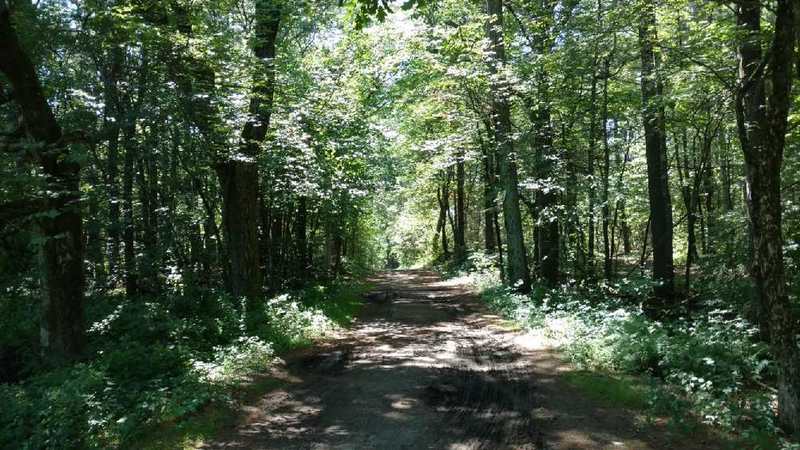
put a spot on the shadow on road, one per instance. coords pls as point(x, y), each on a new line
point(431, 369)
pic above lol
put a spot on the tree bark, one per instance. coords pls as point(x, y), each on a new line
point(459, 237)
point(548, 228)
point(301, 242)
point(443, 194)
point(94, 247)
point(489, 195)
point(762, 124)
point(113, 120)
point(590, 156)
point(606, 170)
point(517, 272)
point(656, 149)
point(62, 325)
point(128, 225)
point(239, 175)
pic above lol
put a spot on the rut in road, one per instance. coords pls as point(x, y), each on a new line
point(432, 369)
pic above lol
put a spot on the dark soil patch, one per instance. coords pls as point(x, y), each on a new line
point(490, 408)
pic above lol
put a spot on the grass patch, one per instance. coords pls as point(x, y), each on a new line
point(191, 432)
point(615, 391)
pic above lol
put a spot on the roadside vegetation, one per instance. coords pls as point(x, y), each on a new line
point(172, 366)
point(703, 364)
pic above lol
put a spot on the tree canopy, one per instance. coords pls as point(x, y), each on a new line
point(195, 159)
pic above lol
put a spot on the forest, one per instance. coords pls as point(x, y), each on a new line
point(196, 194)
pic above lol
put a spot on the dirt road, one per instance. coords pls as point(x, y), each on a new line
point(433, 369)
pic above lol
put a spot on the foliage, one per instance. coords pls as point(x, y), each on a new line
point(158, 363)
point(380, 148)
point(708, 365)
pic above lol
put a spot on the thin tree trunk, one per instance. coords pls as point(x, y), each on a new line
point(301, 231)
point(128, 227)
point(94, 247)
point(590, 170)
point(490, 241)
point(113, 118)
point(443, 195)
point(606, 210)
point(459, 237)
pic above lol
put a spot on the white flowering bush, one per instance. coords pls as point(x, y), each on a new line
point(246, 356)
point(706, 365)
point(289, 322)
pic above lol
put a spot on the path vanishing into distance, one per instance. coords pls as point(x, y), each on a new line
point(434, 369)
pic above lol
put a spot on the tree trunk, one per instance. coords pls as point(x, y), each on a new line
point(590, 171)
point(490, 242)
point(112, 126)
point(459, 237)
point(239, 175)
point(548, 229)
point(149, 269)
point(62, 325)
point(444, 206)
point(762, 123)
point(301, 243)
point(605, 199)
point(517, 272)
point(656, 149)
point(709, 214)
point(94, 247)
point(240, 215)
point(128, 227)
point(625, 228)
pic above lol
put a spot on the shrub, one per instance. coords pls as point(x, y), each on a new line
point(708, 361)
point(159, 360)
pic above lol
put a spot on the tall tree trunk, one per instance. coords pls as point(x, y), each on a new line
point(62, 325)
point(656, 149)
point(113, 119)
point(590, 170)
point(276, 237)
point(94, 245)
point(239, 175)
point(762, 123)
point(499, 238)
point(444, 206)
point(131, 114)
point(128, 226)
point(625, 228)
point(301, 243)
point(149, 269)
point(726, 175)
point(605, 198)
point(489, 194)
point(709, 215)
point(548, 228)
point(459, 237)
point(547, 199)
point(684, 177)
point(517, 273)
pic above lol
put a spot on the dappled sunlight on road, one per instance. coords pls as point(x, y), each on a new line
point(430, 369)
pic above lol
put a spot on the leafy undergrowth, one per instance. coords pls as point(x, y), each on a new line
point(703, 366)
point(164, 372)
